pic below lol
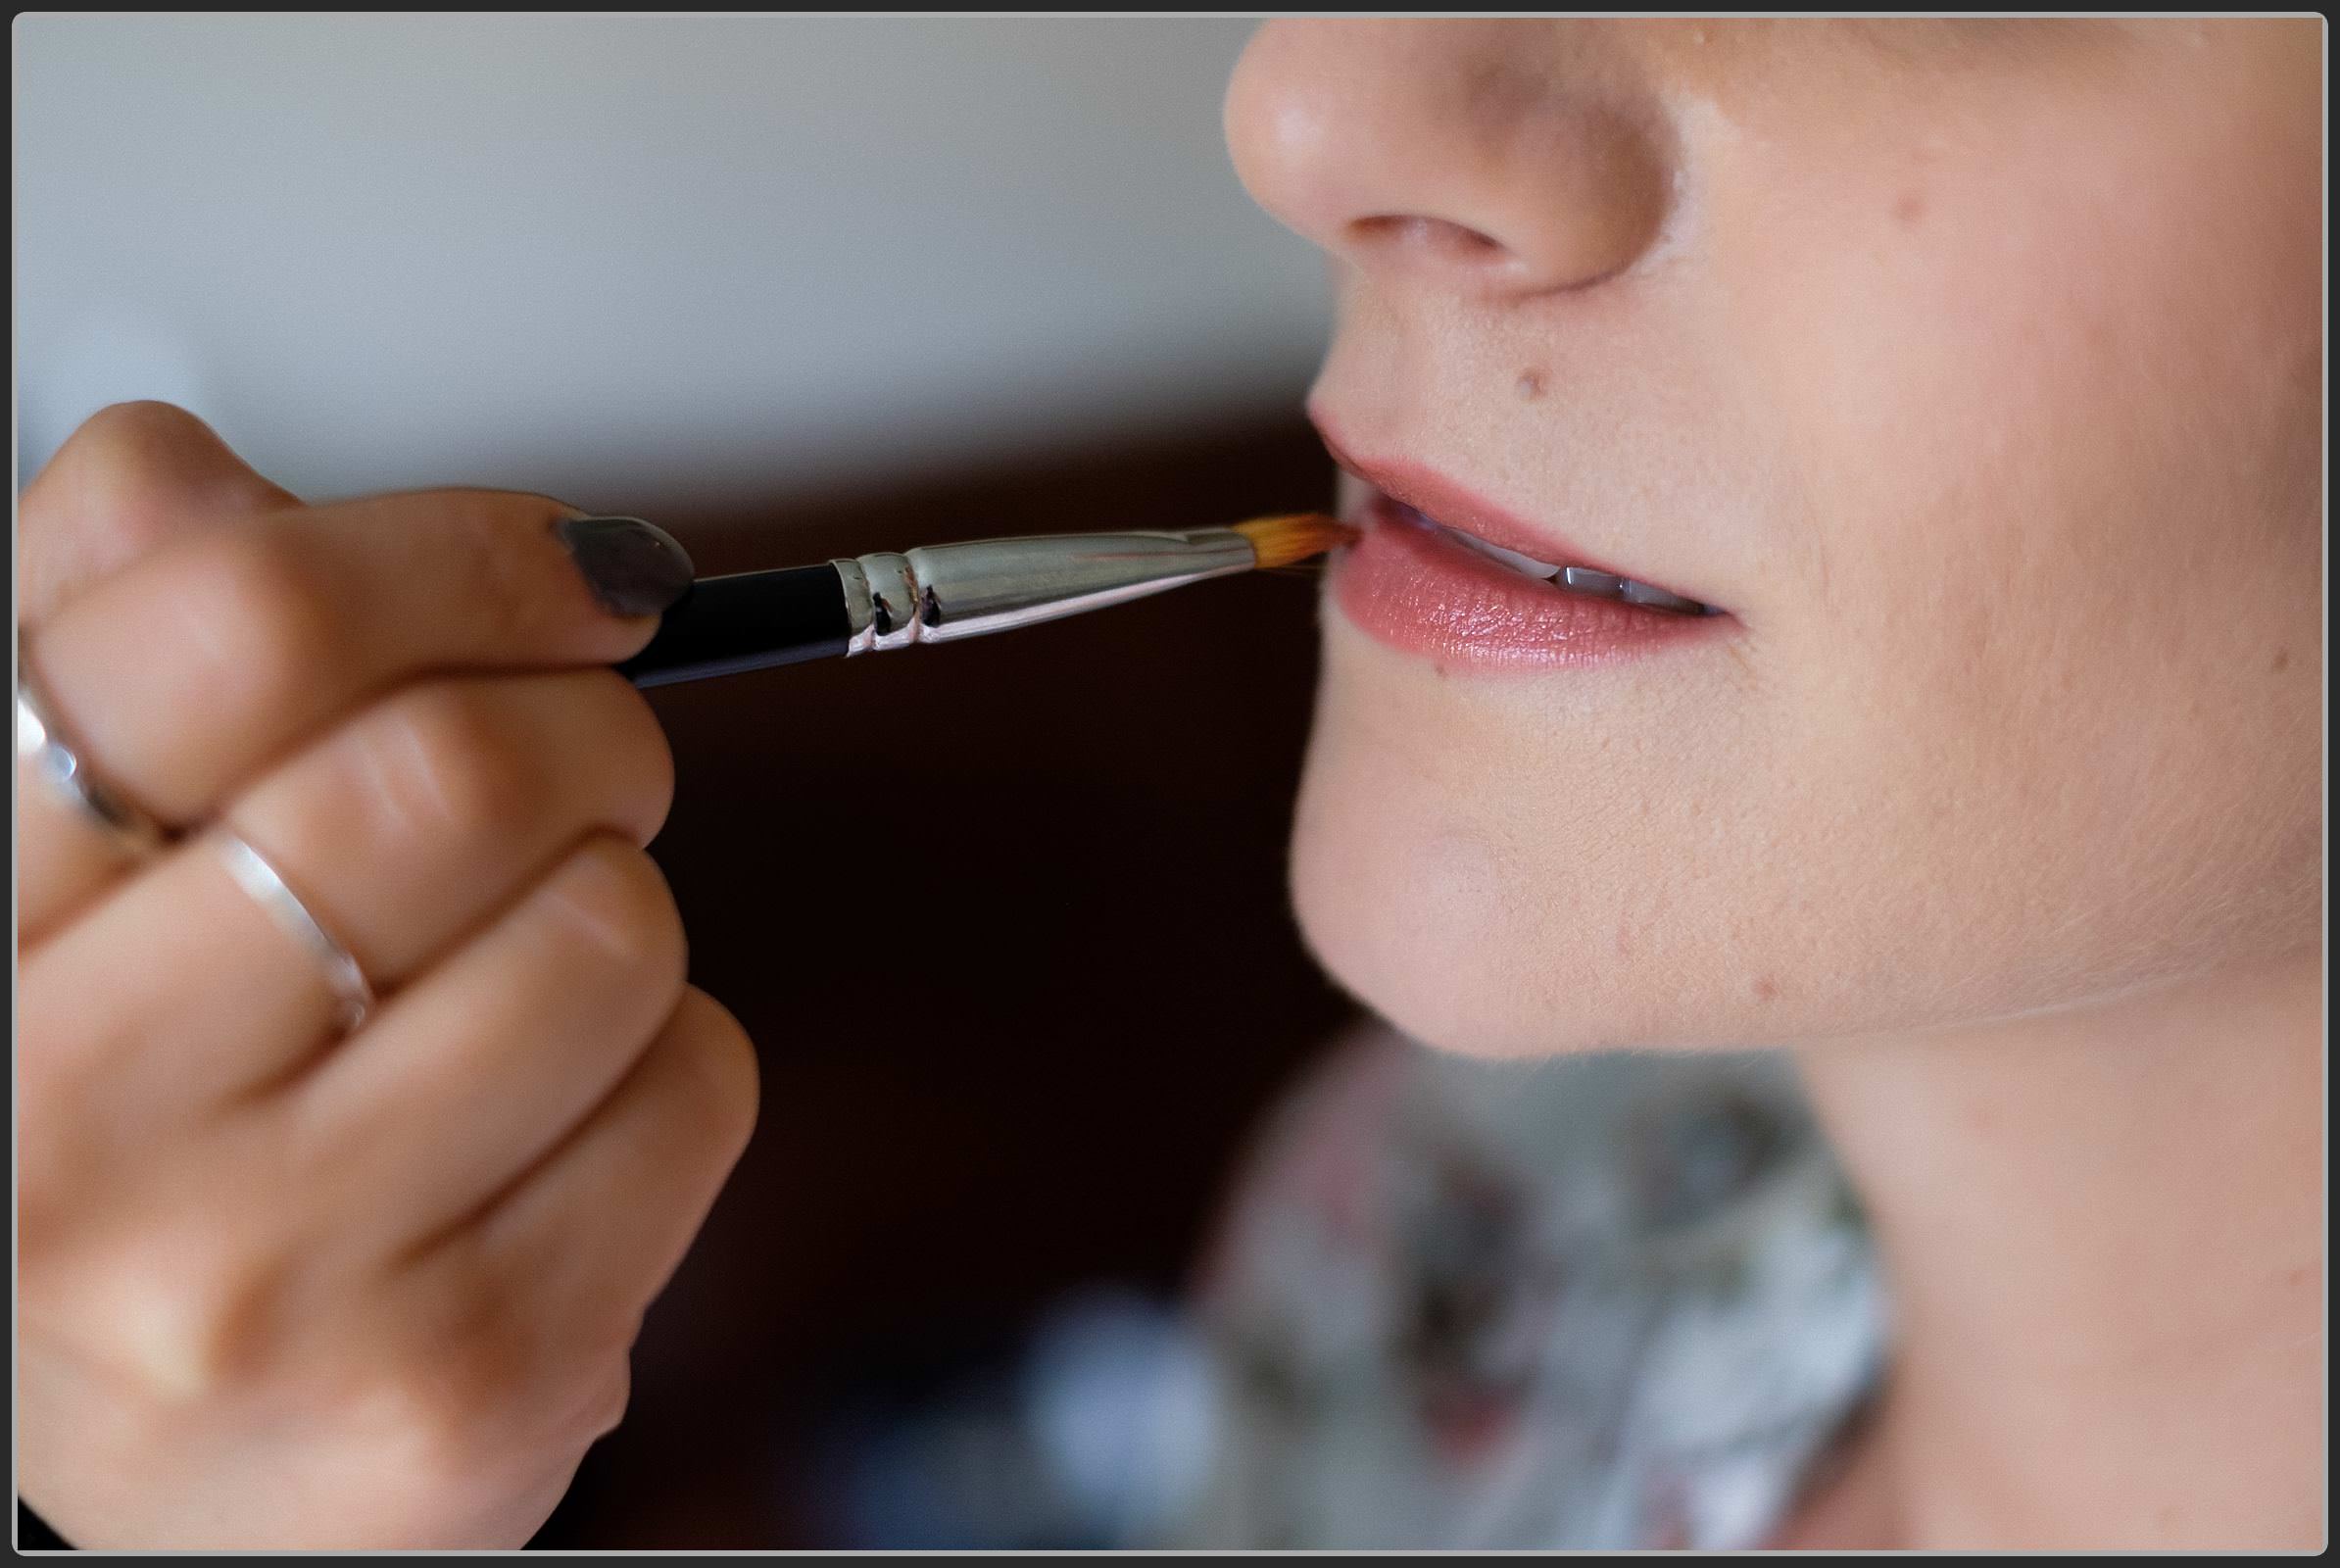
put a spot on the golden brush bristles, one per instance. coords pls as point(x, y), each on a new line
point(1281, 540)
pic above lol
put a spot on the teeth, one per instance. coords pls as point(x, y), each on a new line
point(1600, 584)
point(1510, 557)
point(1608, 585)
point(1580, 579)
point(1641, 593)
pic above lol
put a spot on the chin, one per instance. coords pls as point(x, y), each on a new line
point(1496, 900)
point(1427, 919)
point(1436, 928)
point(1407, 971)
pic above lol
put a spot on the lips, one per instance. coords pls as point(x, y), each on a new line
point(1442, 574)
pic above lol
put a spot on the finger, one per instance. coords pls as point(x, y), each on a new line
point(131, 478)
point(130, 1021)
point(487, 1060)
point(401, 831)
point(191, 670)
point(593, 1233)
point(438, 804)
point(66, 850)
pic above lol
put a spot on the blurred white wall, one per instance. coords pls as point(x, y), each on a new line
point(640, 260)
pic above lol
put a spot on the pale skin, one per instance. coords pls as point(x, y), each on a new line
point(277, 1288)
point(1976, 368)
point(1973, 367)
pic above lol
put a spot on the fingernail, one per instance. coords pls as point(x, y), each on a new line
point(634, 567)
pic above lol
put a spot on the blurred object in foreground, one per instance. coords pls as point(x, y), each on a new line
point(1095, 1431)
point(1609, 1303)
point(1102, 1359)
point(1599, 1303)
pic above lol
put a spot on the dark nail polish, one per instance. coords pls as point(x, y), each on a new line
point(634, 569)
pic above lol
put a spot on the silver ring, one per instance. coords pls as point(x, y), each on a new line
point(269, 889)
point(43, 744)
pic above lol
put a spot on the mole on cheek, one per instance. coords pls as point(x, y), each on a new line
point(2282, 660)
point(1530, 385)
point(1766, 988)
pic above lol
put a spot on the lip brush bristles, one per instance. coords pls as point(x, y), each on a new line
point(1294, 538)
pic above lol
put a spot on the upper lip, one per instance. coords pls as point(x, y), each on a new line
point(1443, 500)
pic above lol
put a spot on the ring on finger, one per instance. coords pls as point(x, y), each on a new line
point(41, 741)
point(269, 889)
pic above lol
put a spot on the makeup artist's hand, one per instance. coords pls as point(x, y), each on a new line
point(278, 1286)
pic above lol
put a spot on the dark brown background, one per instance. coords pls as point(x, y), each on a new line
point(1007, 922)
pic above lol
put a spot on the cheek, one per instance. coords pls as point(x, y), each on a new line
point(2055, 459)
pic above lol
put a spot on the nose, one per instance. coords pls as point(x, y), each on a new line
point(1497, 158)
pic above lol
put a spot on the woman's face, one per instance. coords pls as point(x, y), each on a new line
point(1971, 369)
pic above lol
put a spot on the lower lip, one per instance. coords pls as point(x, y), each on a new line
point(1424, 593)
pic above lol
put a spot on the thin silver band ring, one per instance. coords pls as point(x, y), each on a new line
point(269, 891)
point(41, 742)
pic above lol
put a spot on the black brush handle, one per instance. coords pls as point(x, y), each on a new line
point(752, 621)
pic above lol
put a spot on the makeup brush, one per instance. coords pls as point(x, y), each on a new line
point(940, 593)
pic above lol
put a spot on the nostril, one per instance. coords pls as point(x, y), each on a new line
point(1432, 237)
point(1505, 159)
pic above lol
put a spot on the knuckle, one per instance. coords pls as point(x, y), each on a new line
point(126, 437)
point(108, 466)
point(442, 765)
point(437, 1405)
point(107, 492)
point(724, 1074)
point(481, 1406)
point(187, 1317)
point(611, 897)
point(428, 1420)
point(253, 603)
point(605, 1408)
point(628, 732)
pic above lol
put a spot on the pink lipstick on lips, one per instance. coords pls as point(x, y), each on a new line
point(1442, 574)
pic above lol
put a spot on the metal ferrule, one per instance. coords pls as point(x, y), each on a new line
point(941, 593)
